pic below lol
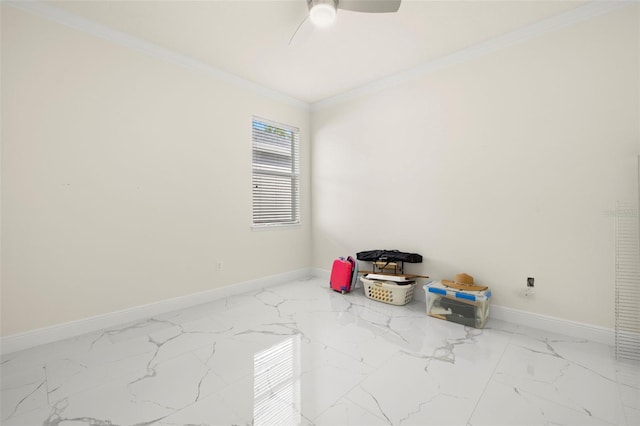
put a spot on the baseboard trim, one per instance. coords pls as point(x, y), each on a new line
point(29, 339)
point(553, 324)
point(321, 273)
point(529, 319)
point(19, 341)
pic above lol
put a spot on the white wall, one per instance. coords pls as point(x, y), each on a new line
point(505, 166)
point(125, 177)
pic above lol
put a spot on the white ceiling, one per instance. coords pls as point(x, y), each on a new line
point(251, 38)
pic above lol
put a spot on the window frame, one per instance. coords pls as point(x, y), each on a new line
point(272, 172)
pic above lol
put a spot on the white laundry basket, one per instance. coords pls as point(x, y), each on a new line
point(388, 291)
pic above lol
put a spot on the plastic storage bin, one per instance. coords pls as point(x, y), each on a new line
point(470, 308)
point(388, 291)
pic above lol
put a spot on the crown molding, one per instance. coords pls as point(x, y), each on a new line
point(582, 13)
point(105, 32)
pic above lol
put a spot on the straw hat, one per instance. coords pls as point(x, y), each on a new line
point(464, 282)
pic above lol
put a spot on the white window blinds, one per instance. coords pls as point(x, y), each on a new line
point(276, 174)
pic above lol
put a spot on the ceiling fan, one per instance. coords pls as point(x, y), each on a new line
point(322, 13)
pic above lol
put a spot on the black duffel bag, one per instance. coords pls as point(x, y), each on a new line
point(388, 256)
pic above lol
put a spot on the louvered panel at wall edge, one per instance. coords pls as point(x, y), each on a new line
point(627, 279)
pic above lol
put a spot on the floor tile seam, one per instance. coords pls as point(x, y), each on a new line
point(46, 378)
point(219, 393)
point(626, 407)
point(16, 386)
point(338, 349)
point(111, 380)
point(344, 397)
point(380, 415)
point(181, 353)
point(528, 381)
point(210, 333)
point(385, 315)
point(248, 371)
point(373, 366)
point(576, 408)
point(377, 415)
point(630, 385)
point(14, 409)
point(116, 329)
point(556, 403)
point(19, 381)
point(595, 371)
point(244, 376)
point(379, 329)
point(621, 398)
point(630, 416)
point(205, 395)
point(176, 410)
point(118, 369)
point(86, 390)
point(633, 407)
point(7, 358)
point(234, 408)
point(350, 356)
point(123, 377)
point(627, 386)
point(46, 407)
point(484, 389)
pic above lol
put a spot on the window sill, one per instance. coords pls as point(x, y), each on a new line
point(275, 227)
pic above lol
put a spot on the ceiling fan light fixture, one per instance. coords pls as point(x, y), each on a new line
point(322, 12)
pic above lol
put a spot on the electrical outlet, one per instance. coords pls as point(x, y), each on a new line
point(218, 265)
point(530, 289)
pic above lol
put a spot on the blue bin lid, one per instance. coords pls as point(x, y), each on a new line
point(437, 287)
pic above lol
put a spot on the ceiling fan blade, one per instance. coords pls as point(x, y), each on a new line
point(370, 6)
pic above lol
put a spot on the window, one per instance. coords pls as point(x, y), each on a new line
point(276, 170)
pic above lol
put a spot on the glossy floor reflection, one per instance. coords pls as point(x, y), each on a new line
point(301, 354)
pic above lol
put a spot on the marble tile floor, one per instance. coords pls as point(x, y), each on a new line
point(300, 354)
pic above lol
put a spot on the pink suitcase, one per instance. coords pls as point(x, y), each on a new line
point(342, 274)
